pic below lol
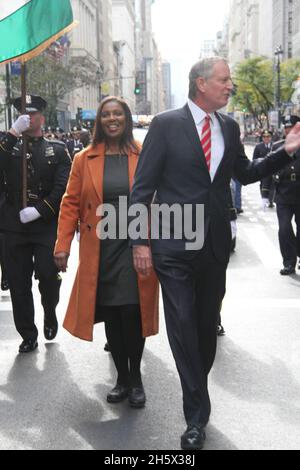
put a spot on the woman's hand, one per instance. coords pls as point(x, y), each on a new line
point(61, 261)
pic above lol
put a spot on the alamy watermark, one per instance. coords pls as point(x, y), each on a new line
point(157, 222)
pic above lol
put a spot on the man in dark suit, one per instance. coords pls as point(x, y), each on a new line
point(189, 158)
point(267, 189)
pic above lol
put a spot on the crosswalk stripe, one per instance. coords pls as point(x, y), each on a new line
point(264, 247)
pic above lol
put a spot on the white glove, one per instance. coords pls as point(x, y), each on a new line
point(29, 214)
point(264, 204)
point(22, 124)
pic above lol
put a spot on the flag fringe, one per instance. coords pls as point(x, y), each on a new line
point(42, 47)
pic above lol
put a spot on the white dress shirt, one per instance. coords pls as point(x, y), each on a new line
point(217, 138)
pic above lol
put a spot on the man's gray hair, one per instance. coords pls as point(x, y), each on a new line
point(204, 69)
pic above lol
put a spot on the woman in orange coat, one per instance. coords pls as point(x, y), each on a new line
point(107, 287)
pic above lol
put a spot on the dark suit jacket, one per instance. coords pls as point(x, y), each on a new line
point(173, 165)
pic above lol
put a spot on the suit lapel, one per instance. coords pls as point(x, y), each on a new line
point(225, 133)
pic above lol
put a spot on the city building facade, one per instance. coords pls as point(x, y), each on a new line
point(123, 20)
point(167, 84)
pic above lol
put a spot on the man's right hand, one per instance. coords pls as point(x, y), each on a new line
point(21, 125)
point(61, 261)
point(142, 260)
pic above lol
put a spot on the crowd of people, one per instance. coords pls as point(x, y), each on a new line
point(189, 157)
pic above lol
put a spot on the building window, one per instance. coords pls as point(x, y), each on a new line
point(290, 23)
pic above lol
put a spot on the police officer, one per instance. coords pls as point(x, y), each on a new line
point(267, 189)
point(60, 134)
point(30, 233)
point(74, 144)
point(287, 199)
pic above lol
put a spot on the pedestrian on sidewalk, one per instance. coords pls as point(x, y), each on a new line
point(107, 288)
point(189, 157)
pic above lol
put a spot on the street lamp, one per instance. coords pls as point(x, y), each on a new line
point(278, 52)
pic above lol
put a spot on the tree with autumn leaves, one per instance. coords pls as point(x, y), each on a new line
point(255, 81)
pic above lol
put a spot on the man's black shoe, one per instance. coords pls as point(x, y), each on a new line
point(117, 394)
point(106, 347)
point(137, 397)
point(220, 330)
point(28, 345)
point(50, 332)
point(240, 211)
point(193, 438)
point(50, 324)
point(288, 271)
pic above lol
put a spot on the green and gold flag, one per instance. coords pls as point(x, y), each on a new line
point(28, 27)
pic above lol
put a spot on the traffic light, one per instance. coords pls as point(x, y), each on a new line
point(137, 89)
point(79, 115)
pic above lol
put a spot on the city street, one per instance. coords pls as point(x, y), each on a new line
point(55, 398)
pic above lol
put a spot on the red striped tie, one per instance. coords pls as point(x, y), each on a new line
point(206, 141)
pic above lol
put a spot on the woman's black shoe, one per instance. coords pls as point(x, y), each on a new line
point(137, 397)
point(117, 394)
point(50, 332)
point(4, 285)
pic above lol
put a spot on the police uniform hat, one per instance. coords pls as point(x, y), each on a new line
point(76, 129)
point(60, 130)
point(290, 121)
point(267, 133)
point(33, 104)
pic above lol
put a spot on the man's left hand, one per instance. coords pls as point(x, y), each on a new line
point(142, 260)
point(29, 214)
point(292, 143)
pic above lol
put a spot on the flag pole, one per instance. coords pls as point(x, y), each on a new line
point(25, 141)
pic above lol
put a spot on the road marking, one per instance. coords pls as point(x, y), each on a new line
point(263, 246)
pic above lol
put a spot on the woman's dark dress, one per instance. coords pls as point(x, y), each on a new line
point(117, 283)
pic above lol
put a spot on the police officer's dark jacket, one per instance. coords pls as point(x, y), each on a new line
point(48, 166)
point(288, 181)
point(261, 150)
